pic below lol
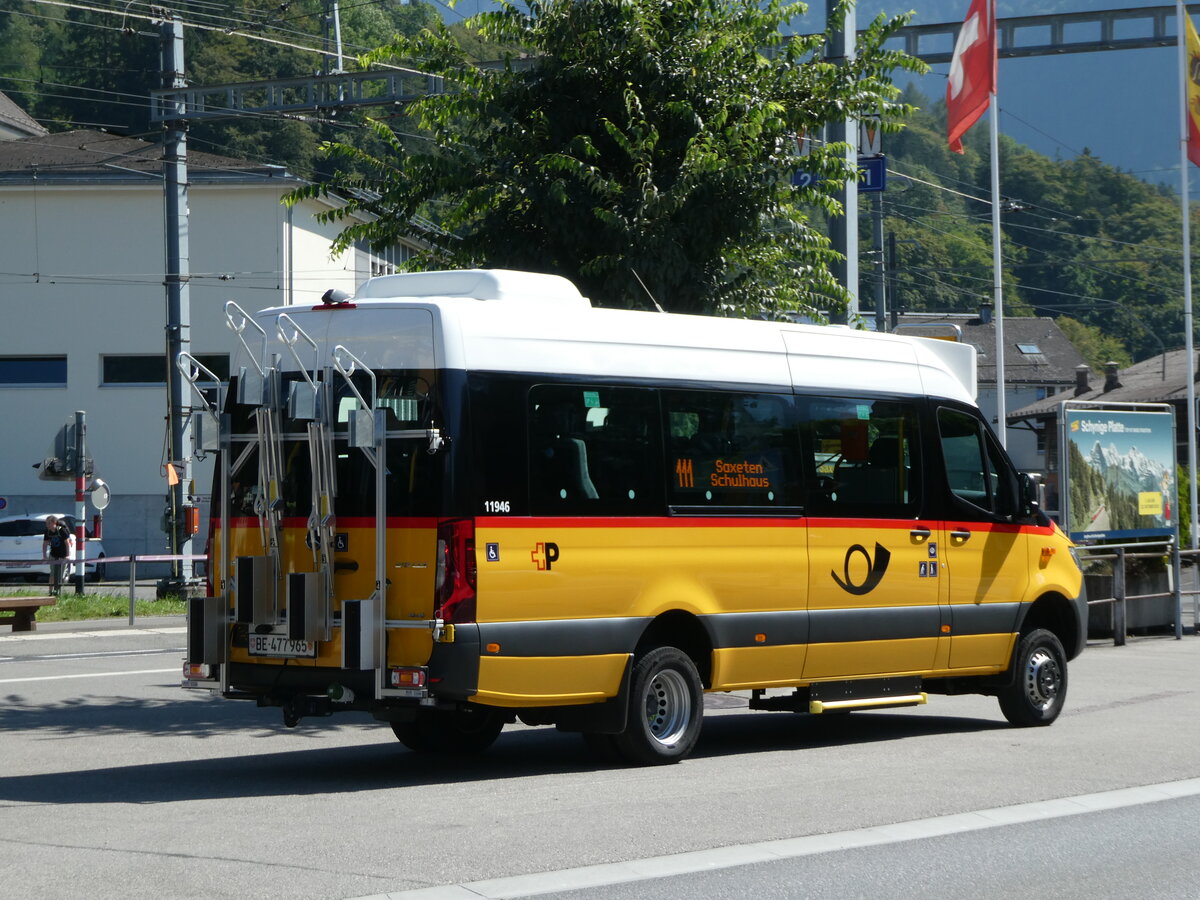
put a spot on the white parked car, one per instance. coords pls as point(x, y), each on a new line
point(21, 548)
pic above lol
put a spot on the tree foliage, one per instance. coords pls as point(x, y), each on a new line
point(84, 68)
point(636, 146)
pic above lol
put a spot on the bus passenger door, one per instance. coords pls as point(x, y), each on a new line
point(986, 557)
point(874, 600)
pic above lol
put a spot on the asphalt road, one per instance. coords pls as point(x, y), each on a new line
point(116, 783)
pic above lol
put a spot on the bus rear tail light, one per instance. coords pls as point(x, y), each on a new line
point(408, 677)
point(456, 571)
point(198, 672)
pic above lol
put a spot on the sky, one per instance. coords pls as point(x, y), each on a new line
point(1122, 105)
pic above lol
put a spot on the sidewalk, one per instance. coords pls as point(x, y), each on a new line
point(114, 623)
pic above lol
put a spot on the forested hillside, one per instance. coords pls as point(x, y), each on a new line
point(1083, 241)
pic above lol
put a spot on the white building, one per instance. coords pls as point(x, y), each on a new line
point(82, 262)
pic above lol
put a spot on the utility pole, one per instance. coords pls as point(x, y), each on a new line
point(179, 319)
point(844, 229)
point(893, 288)
point(331, 39)
point(81, 473)
point(880, 264)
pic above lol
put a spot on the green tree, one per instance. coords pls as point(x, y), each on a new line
point(1096, 347)
point(633, 146)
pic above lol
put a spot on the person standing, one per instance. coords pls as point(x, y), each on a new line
point(58, 547)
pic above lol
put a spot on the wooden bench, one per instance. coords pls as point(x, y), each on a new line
point(20, 611)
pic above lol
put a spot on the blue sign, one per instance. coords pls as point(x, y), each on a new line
point(872, 169)
point(874, 173)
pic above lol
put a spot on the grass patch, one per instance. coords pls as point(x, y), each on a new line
point(73, 607)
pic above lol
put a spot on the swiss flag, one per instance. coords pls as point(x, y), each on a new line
point(972, 72)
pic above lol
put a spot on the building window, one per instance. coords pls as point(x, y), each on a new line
point(387, 261)
point(33, 371)
point(1029, 349)
point(151, 369)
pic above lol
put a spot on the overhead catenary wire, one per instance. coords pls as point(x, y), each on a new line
point(197, 9)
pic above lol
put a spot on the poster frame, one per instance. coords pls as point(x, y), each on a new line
point(1064, 442)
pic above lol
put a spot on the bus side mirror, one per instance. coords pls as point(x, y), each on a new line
point(1031, 501)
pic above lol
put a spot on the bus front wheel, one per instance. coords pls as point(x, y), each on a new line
point(469, 729)
point(1039, 685)
point(666, 703)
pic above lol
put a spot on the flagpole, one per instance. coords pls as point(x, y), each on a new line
point(997, 280)
point(1184, 134)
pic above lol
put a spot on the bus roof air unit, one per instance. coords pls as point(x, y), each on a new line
point(475, 284)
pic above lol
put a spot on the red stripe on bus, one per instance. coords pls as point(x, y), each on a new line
point(666, 522)
point(632, 522)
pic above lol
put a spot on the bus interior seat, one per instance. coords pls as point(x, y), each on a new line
point(874, 480)
point(564, 462)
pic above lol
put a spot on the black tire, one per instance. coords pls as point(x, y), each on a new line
point(666, 705)
point(468, 729)
point(1039, 686)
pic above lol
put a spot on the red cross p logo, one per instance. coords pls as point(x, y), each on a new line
point(544, 555)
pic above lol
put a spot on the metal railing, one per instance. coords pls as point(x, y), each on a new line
point(15, 567)
point(148, 558)
point(1120, 555)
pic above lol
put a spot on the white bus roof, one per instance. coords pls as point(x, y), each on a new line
point(505, 321)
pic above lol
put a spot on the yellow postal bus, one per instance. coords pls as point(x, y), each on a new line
point(460, 499)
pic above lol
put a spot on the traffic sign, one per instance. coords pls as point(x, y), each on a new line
point(873, 171)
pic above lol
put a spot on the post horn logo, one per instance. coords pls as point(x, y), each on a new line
point(875, 569)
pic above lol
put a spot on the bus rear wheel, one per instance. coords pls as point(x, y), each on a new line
point(468, 729)
point(1039, 685)
point(666, 703)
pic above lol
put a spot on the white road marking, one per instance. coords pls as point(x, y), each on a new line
point(94, 654)
point(112, 632)
point(178, 670)
point(789, 848)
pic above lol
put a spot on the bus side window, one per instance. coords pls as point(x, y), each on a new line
point(731, 450)
point(594, 451)
point(864, 456)
point(976, 470)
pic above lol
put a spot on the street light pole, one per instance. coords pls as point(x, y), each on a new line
point(840, 23)
point(178, 309)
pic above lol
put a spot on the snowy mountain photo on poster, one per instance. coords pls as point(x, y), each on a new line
point(1120, 471)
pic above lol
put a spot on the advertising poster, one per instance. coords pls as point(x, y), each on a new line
point(1120, 470)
